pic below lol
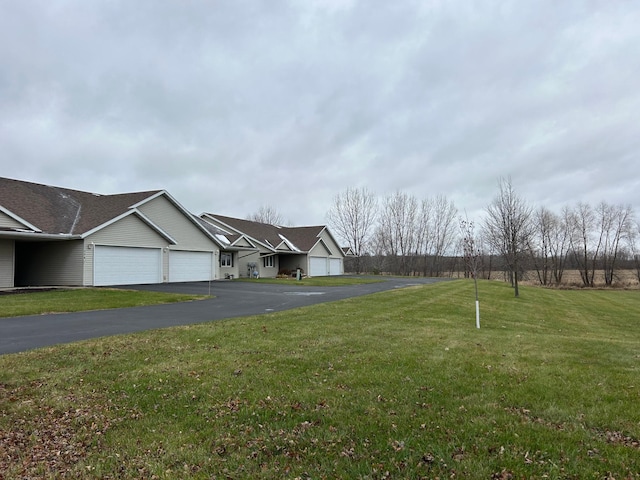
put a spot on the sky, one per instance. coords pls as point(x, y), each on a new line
point(231, 105)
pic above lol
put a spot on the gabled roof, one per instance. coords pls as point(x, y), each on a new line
point(51, 212)
point(227, 240)
point(273, 237)
point(305, 238)
point(348, 251)
point(261, 233)
point(62, 211)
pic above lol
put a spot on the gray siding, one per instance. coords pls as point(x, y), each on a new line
point(51, 263)
point(7, 260)
point(174, 222)
point(242, 242)
point(244, 258)
point(128, 232)
point(269, 272)
point(165, 265)
point(188, 236)
point(7, 222)
point(320, 249)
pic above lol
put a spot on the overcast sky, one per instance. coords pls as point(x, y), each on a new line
point(230, 105)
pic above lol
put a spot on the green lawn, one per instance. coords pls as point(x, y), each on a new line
point(83, 299)
point(393, 385)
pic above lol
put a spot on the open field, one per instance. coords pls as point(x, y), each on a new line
point(82, 300)
point(622, 278)
point(393, 385)
point(571, 278)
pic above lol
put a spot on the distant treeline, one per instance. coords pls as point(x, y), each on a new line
point(403, 235)
point(492, 267)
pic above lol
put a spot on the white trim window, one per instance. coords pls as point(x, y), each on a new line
point(269, 261)
point(226, 259)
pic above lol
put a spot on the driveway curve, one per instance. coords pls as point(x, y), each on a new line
point(230, 299)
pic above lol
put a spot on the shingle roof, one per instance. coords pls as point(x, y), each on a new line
point(56, 210)
point(302, 239)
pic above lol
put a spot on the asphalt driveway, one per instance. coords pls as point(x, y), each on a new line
point(231, 299)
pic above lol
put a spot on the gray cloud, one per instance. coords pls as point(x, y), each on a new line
point(235, 104)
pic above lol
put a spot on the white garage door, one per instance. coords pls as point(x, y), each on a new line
point(318, 266)
point(190, 266)
point(126, 265)
point(335, 266)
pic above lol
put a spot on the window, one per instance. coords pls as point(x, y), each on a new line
point(226, 259)
point(268, 261)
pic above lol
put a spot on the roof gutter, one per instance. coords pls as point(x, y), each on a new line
point(38, 236)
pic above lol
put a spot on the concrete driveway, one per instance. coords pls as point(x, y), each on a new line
point(231, 299)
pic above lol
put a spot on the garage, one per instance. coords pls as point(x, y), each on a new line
point(188, 266)
point(126, 265)
point(318, 267)
point(335, 266)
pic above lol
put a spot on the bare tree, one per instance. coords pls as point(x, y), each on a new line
point(472, 258)
point(397, 232)
point(266, 214)
point(486, 258)
point(634, 246)
point(597, 236)
point(352, 217)
point(616, 225)
point(585, 245)
point(550, 243)
point(380, 261)
point(541, 244)
point(508, 227)
point(425, 233)
point(440, 231)
point(559, 244)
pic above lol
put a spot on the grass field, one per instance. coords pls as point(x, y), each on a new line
point(82, 300)
point(393, 385)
